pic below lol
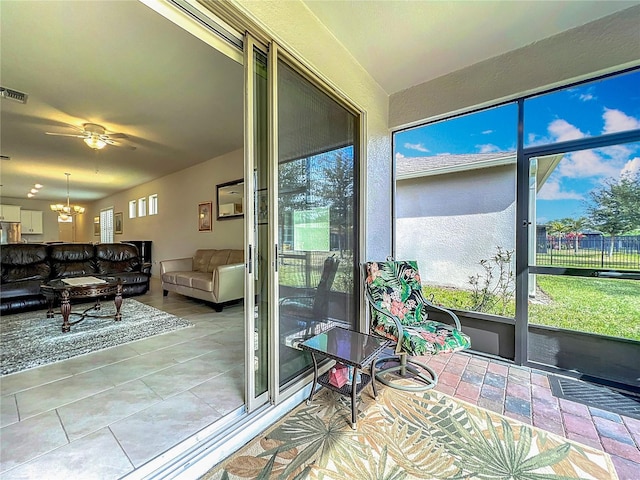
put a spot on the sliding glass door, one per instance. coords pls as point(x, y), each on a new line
point(317, 203)
point(257, 244)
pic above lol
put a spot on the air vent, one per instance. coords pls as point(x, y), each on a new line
point(5, 157)
point(14, 95)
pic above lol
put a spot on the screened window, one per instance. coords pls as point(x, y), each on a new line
point(608, 105)
point(133, 208)
point(455, 208)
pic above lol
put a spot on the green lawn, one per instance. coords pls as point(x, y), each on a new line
point(605, 307)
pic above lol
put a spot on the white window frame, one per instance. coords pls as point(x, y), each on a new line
point(106, 225)
point(153, 204)
point(142, 207)
point(133, 208)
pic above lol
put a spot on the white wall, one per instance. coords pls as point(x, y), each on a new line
point(448, 223)
point(174, 230)
point(294, 26)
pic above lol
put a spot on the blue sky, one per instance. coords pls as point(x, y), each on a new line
point(606, 106)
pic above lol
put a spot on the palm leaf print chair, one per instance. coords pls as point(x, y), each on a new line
point(399, 312)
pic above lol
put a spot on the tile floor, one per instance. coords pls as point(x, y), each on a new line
point(105, 414)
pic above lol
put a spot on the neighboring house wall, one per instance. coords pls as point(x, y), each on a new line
point(174, 230)
point(448, 223)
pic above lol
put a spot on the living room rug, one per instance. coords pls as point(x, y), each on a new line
point(30, 339)
point(405, 435)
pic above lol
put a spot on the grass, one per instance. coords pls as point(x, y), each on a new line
point(600, 306)
point(605, 307)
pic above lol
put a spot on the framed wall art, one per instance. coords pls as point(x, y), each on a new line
point(204, 216)
point(117, 222)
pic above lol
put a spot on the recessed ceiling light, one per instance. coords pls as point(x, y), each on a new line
point(30, 195)
point(34, 190)
point(38, 185)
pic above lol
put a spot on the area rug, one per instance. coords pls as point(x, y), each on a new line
point(407, 436)
point(30, 339)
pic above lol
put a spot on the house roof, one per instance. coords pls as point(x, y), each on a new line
point(417, 167)
point(412, 167)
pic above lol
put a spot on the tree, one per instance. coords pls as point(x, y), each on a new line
point(573, 228)
point(614, 208)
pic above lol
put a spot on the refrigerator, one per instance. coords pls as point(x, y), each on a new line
point(10, 232)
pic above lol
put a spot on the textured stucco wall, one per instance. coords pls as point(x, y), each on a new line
point(605, 44)
point(297, 29)
point(451, 222)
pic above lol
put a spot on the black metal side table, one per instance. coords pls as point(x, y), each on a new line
point(358, 350)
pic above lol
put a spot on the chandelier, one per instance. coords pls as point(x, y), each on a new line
point(65, 212)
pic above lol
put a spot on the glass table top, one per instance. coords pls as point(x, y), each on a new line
point(340, 343)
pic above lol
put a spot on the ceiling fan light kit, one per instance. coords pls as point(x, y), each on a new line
point(65, 212)
point(96, 137)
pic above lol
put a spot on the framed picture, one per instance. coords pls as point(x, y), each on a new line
point(262, 207)
point(117, 222)
point(96, 225)
point(204, 216)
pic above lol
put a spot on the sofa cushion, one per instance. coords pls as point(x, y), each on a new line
point(184, 278)
point(207, 260)
point(24, 262)
point(20, 289)
point(202, 281)
point(116, 258)
point(72, 260)
point(236, 256)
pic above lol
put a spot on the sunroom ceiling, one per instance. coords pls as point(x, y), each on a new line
point(406, 43)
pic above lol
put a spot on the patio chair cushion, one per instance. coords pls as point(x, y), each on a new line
point(396, 288)
point(428, 338)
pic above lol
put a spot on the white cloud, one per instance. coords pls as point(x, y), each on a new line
point(399, 156)
point(617, 121)
point(488, 148)
point(416, 146)
point(561, 131)
point(631, 167)
point(552, 191)
point(586, 163)
point(487, 132)
point(585, 97)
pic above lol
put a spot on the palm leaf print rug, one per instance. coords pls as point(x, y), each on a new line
point(407, 436)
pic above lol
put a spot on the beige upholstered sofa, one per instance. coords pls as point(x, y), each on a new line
point(213, 275)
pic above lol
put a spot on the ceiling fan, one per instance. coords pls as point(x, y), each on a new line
point(96, 136)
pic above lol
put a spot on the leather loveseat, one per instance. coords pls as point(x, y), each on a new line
point(216, 276)
point(26, 266)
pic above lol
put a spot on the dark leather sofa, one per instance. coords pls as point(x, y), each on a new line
point(25, 266)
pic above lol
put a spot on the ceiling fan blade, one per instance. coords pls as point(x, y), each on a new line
point(117, 135)
point(65, 134)
point(119, 144)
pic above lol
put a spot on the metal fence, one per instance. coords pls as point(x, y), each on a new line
point(589, 250)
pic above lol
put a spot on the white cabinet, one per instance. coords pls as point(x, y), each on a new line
point(31, 222)
point(9, 213)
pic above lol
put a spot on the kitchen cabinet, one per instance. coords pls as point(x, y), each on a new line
point(31, 222)
point(9, 213)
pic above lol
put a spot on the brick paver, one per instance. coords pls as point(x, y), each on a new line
point(525, 395)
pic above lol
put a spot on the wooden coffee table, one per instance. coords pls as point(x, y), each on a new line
point(358, 350)
point(81, 288)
